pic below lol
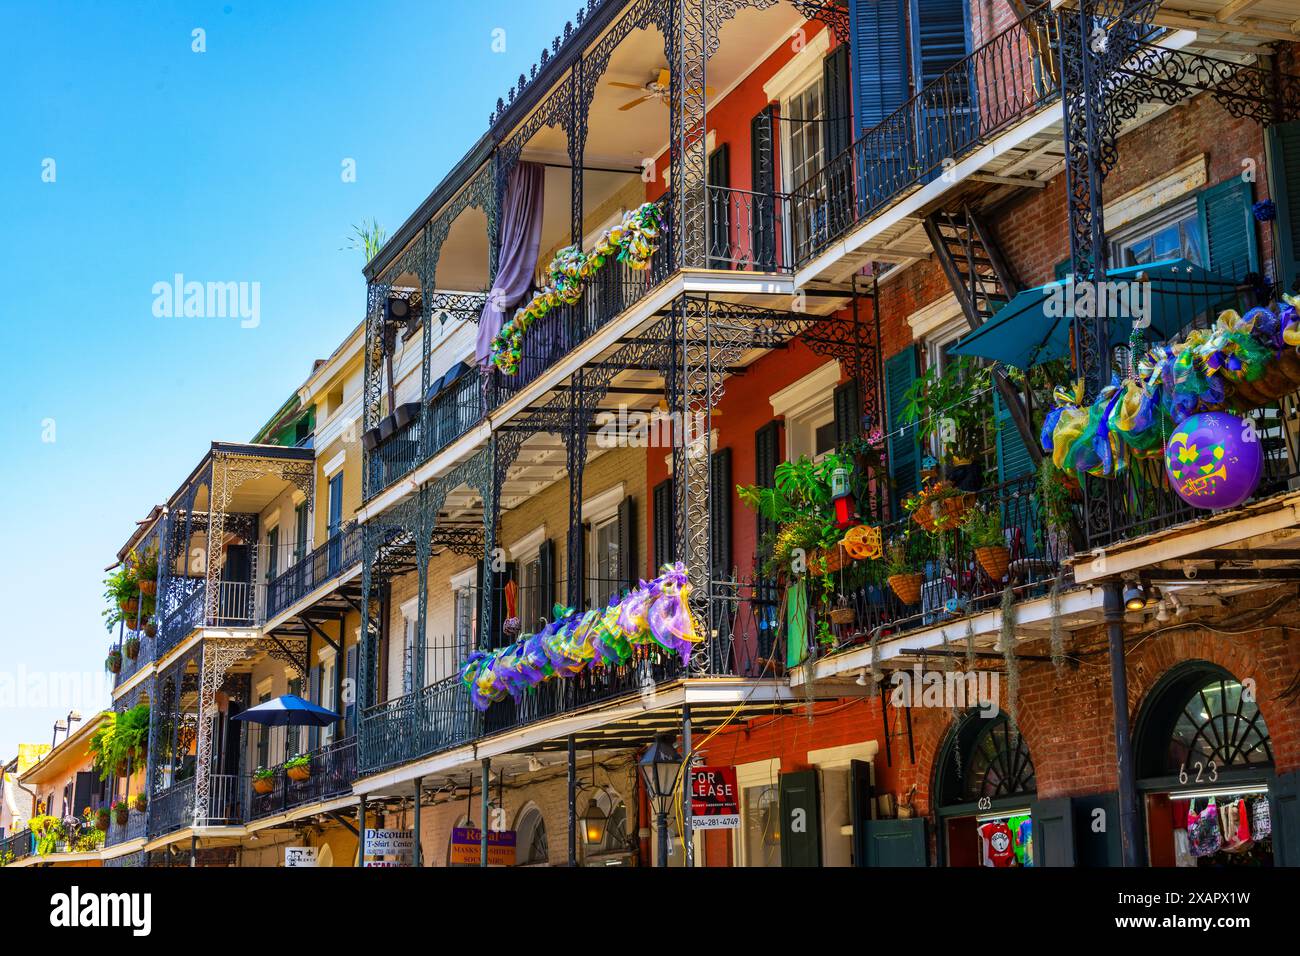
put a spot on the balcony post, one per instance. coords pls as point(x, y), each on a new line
point(417, 856)
point(491, 477)
point(580, 97)
point(686, 42)
point(1113, 605)
point(361, 831)
point(576, 451)
point(573, 801)
point(483, 816)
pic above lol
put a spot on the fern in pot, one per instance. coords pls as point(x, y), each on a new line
point(983, 530)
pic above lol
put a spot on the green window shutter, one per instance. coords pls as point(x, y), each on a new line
point(800, 819)
point(1013, 456)
point(894, 843)
point(627, 544)
point(1284, 810)
point(1228, 243)
point(665, 552)
point(720, 512)
point(1284, 183)
point(546, 571)
point(904, 444)
point(848, 413)
point(1053, 830)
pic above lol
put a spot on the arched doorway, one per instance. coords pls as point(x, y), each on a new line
point(1204, 761)
point(531, 848)
point(984, 791)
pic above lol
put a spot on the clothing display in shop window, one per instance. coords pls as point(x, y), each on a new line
point(1183, 849)
point(1203, 830)
point(1261, 820)
point(1022, 829)
point(998, 848)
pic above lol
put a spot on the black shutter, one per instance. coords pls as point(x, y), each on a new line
point(838, 127)
point(627, 544)
point(801, 843)
point(1284, 812)
point(350, 708)
point(848, 414)
point(85, 786)
point(860, 800)
point(1053, 832)
point(480, 579)
point(895, 842)
point(1096, 837)
point(762, 158)
point(767, 455)
point(720, 512)
point(665, 553)
point(720, 252)
point(546, 570)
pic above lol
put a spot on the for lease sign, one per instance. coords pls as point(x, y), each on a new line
point(715, 801)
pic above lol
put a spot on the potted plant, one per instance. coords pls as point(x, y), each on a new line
point(903, 578)
point(263, 780)
point(131, 647)
point(114, 661)
point(122, 592)
point(146, 571)
point(151, 626)
point(298, 768)
point(121, 812)
point(141, 802)
point(983, 529)
point(952, 407)
point(101, 818)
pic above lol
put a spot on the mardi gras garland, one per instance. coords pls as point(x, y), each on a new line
point(1239, 364)
point(656, 613)
point(632, 242)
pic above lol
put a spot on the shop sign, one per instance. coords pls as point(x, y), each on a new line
point(467, 848)
point(390, 843)
point(376, 864)
point(300, 856)
point(715, 798)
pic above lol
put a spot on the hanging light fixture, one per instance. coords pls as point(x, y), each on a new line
point(594, 820)
point(1135, 596)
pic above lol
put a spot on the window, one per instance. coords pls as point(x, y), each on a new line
point(803, 113)
point(464, 611)
point(530, 594)
point(327, 695)
point(809, 409)
point(1171, 234)
point(604, 574)
point(273, 553)
point(300, 531)
point(762, 833)
point(531, 848)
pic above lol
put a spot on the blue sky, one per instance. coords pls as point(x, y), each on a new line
point(223, 165)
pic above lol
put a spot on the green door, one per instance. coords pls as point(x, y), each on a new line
point(896, 842)
point(800, 820)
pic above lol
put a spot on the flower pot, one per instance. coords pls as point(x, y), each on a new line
point(148, 587)
point(114, 663)
point(150, 628)
point(994, 560)
point(131, 648)
point(907, 586)
point(101, 820)
point(122, 815)
point(843, 616)
point(129, 607)
point(298, 774)
point(925, 517)
point(263, 785)
point(956, 507)
point(141, 802)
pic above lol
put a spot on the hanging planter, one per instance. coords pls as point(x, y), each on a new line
point(263, 781)
point(842, 615)
point(131, 648)
point(298, 769)
point(141, 803)
point(114, 662)
point(129, 607)
point(907, 586)
point(121, 813)
point(995, 560)
point(150, 628)
point(101, 818)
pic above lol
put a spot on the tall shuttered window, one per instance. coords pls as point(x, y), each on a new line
point(720, 247)
point(878, 36)
point(665, 552)
point(720, 512)
point(1229, 244)
point(762, 158)
point(1284, 182)
point(904, 447)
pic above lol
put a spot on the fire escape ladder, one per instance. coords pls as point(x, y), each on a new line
point(982, 282)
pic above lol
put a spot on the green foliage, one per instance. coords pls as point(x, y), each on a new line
point(800, 504)
point(146, 565)
point(953, 405)
point(369, 237)
point(901, 556)
point(120, 743)
point(264, 773)
point(1054, 495)
point(301, 760)
point(119, 587)
point(48, 831)
point(983, 528)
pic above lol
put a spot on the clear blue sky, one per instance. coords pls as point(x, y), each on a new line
point(224, 166)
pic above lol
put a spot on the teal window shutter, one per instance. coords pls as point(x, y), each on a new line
point(1284, 169)
point(878, 36)
point(1013, 456)
point(904, 443)
point(1228, 242)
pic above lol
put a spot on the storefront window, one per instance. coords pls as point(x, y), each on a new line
point(762, 826)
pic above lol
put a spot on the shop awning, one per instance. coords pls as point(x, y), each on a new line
point(1035, 325)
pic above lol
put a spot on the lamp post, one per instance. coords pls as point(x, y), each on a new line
point(660, 766)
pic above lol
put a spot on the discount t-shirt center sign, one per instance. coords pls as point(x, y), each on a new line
point(715, 800)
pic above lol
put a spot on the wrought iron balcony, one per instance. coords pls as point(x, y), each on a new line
point(341, 552)
point(171, 809)
point(135, 828)
point(17, 846)
point(333, 768)
point(1004, 81)
point(144, 656)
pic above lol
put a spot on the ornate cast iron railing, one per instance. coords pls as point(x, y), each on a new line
point(338, 554)
point(135, 828)
point(17, 846)
point(1001, 83)
point(333, 768)
point(172, 809)
point(187, 615)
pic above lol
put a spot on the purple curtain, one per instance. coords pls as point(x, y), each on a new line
point(521, 235)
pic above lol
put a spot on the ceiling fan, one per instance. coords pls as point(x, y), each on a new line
point(655, 89)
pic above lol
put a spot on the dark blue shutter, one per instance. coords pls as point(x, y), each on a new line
point(546, 570)
point(838, 102)
point(904, 444)
point(1284, 167)
point(1228, 244)
point(762, 167)
point(848, 415)
point(720, 511)
point(628, 571)
point(665, 552)
point(940, 39)
point(947, 124)
point(878, 35)
point(1013, 456)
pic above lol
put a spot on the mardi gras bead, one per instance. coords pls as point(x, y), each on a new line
point(1214, 460)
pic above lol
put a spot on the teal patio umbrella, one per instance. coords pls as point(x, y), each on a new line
point(1035, 325)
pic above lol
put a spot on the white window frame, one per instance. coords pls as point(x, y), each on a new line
point(525, 552)
point(1146, 226)
point(462, 582)
point(807, 405)
point(759, 773)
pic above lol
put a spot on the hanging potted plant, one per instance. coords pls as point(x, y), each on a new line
point(101, 818)
point(123, 595)
point(121, 812)
point(151, 626)
point(146, 571)
point(983, 529)
point(141, 803)
point(131, 648)
point(114, 661)
point(903, 578)
point(298, 768)
point(263, 780)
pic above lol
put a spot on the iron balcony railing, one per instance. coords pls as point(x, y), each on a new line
point(17, 846)
point(135, 828)
point(443, 419)
point(340, 553)
point(171, 809)
point(441, 716)
point(333, 769)
point(746, 230)
point(954, 580)
point(1004, 81)
point(144, 653)
point(184, 616)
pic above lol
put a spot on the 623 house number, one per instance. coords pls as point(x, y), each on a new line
point(1204, 772)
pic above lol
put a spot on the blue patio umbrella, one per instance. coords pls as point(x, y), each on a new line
point(1035, 325)
point(289, 711)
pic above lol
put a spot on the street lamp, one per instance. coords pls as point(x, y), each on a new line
point(594, 821)
point(660, 766)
